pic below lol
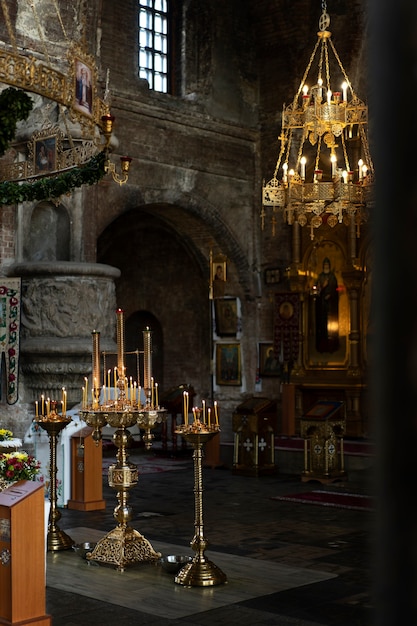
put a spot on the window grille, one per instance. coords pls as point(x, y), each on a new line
point(153, 43)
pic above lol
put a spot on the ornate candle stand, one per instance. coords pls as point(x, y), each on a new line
point(200, 572)
point(54, 423)
point(123, 545)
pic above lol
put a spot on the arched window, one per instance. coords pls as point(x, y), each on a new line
point(153, 41)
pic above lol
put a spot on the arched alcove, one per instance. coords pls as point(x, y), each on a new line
point(164, 285)
point(49, 235)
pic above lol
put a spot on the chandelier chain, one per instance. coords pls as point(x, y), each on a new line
point(9, 24)
point(58, 12)
point(40, 31)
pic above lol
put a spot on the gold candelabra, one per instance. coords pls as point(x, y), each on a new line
point(54, 423)
point(322, 131)
point(123, 545)
point(200, 572)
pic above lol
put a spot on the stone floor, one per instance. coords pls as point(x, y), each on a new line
point(286, 563)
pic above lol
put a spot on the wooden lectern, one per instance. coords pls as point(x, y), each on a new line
point(22, 555)
point(323, 428)
point(86, 472)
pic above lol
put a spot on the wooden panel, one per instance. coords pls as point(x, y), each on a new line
point(86, 472)
point(22, 578)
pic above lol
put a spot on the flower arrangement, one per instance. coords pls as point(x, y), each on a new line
point(16, 466)
point(5, 435)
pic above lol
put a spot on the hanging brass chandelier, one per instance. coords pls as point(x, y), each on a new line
point(324, 172)
point(65, 138)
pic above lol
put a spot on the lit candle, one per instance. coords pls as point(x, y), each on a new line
point(83, 402)
point(42, 405)
point(215, 413)
point(329, 96)
point(344, 90)
point(360, 163)
point(284, 169)
point(204, 411)
point(345, 175)
point(36, 409)
point(208, 416)
point(333, 162)
point(306, 97)
point(303, 161)
point(319, 91)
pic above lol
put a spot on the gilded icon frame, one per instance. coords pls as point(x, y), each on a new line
point(228, 364)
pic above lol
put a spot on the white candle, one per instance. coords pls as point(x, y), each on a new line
point(319, 91)
point(284, 169)
point(360, 163)
point(86, 390)
point(333, 161)
point(344, 90)
point(329, 96)
point(303, 167)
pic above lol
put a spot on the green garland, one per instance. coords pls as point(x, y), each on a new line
point(54, 186)
point(15, 105)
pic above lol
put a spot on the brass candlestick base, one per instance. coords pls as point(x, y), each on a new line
point(57, 539)
point(200, 572)
point(123, 545)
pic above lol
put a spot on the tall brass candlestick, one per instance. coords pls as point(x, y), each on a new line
point(147, 363)
point(200, 572)
point(120, 343)
point(57, 539)
point(96, 366)
point(123, 545)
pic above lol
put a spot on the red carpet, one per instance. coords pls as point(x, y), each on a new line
point(330, 498)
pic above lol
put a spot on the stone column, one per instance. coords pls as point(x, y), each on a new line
point(62, 303)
